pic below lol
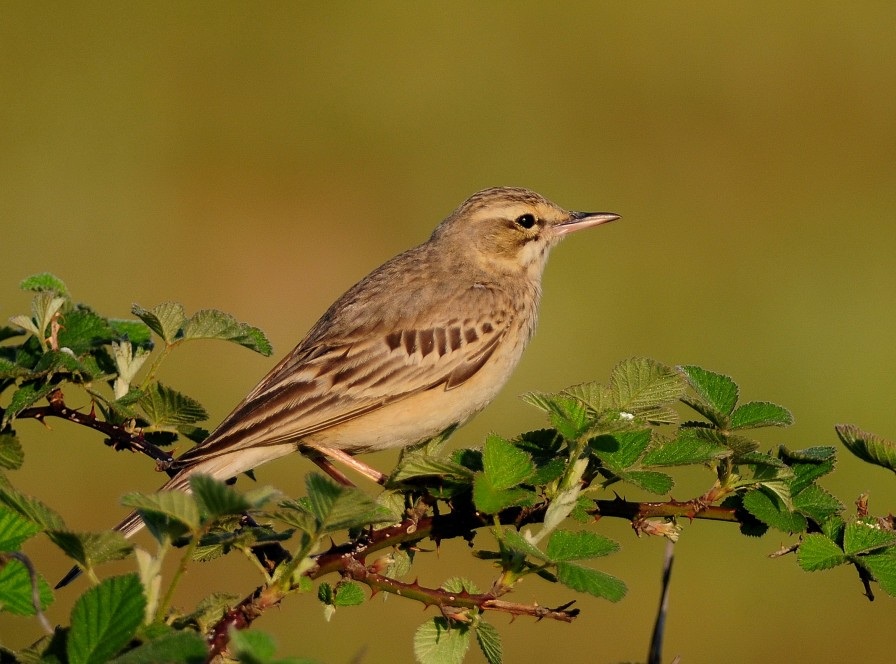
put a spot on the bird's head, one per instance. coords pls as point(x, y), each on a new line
point(511, 229)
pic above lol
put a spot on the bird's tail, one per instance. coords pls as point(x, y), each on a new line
point(133, 522)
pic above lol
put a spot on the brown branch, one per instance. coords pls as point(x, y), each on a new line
point(119, 437)
point(348, 559)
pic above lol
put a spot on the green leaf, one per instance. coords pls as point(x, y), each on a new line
point(165, 319)
point(769, 508)
point(505, 465)
point(438, 642)
point(621, 450)
point(104, 619)
point(489, 641)
point(91, 549)
point(215, 498)
point(686, 449)
point(348, 593)
point(565, 545)
point(27, 395)
point(458, 584)
point(14, 529)
point(491, 500)
point(816, 503)
point(817, 552)
point(164, 406)
point(11, 453)
point(760, 414)
point(865, 536)
point(868, 446)
point(31, 508)
point(415, 465)
point(82, 330)
point(252, 647)
point(516, 541)
point(184, 647)
point(639, 385)
point(16, 591)
point(716, 394)
point(214, 324)
point(44, 282)
point(591, 581)
point(338, 507)
point(174, 505)
point(569, 415)
point(135, 331)
point(649, 480)
point(807, 465)
point(883, 568)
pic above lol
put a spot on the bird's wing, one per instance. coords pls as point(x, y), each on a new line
point(329, 381)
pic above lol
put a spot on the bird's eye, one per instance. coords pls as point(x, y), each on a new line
point(526, 220)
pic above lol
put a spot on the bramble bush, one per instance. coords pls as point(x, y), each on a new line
point(539, 495)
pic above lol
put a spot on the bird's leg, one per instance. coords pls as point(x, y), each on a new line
point(324, 456)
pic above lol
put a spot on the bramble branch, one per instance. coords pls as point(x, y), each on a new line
point(119, 437)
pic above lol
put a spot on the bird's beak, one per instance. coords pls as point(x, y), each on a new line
point(579, 220)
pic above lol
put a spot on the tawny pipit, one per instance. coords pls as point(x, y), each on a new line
point(419, 345)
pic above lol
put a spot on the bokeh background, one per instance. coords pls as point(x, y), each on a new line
point(261, 157)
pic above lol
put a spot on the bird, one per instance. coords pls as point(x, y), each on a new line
point(414, 349)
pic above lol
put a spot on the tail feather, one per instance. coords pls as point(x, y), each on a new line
point(220, 467)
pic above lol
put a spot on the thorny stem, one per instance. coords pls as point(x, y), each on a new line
point(120, 437)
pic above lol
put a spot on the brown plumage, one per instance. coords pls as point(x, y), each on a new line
point(418, 346)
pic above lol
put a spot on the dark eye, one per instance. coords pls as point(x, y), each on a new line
point(526, 220)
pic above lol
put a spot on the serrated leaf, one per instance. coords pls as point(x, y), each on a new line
point(27, 395)
point(816, 503)
point(184, 647)
point(338, 507)
point(12, 371)
point(252, 647)
point(458, 584)
point(565, 545)
point(769, 508)
point(640, 384)
point(215, 498)
point(505, 465)
point(166, 319)
point(591, 581)
point(868, 446)
point(164, 406)
point(686, 449)
point(491, 500)
point(421, 465)
point(104, 619)
point(209, 611)
point(864, 536)
point(438, 642)
point(82, 330)
point(756, 414)
point(568, 415)
point(174, 505)
point(136, 332)
point(649, 480)
point(91, 549)
point(44, 282)
point(883, 568)
point(31, 508)
point(15, 529)
point(489, 641)
point(514, 540)
point(348, 593)
point(621, 450)
point(214, 324)
point(11, 453)
point(716, 394)
point(17, 592)
point(817, 552)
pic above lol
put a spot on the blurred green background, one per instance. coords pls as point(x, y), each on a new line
point(262, 157)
